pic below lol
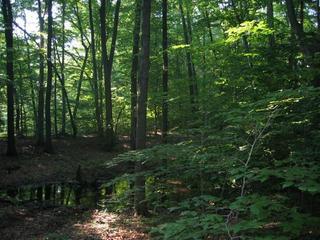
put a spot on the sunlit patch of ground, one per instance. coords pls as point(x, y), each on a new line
point(65, 223)
point(104, 225)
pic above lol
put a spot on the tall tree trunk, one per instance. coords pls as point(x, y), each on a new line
point(7, 17)
point(108, 97)
point(134, 72)
point(83, 67)
point(84, 39)
point(19, 101)
point(318, 14)
point(139, 204)
point(48, 143)
point(302, 14)
point(40, 117)
point(107, 68)
point(65, 94)
point(270, 20)
point(192, 84)
point(55, 103)
point(95, 74)
point(304, 43)
point(55, 100)
point(165, 70)
point(295, 25)
point(64, 110)
point(208, 25)
point(31, 79)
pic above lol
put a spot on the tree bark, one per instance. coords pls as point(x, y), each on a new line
point(48, 142)
point(31, 79)
point(107, 68)
point(83, 67)
point(40, 117)
point(307, 46)
point(134, 72)
point(192, 84)
point(7, 17)
point(65, 94)
point(64, 110)
point(139, 201)
point(165, 71)
point(318, 14)
point(95, 75)
point(302, 14)
point(295, 25)
point(270, 20)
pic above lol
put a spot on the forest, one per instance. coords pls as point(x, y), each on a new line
point(157, 119)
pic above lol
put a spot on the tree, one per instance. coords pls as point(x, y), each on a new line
point(94, 70)
point(309, 46)
point(48, 142)
point(40, 115)
point(191, 72)
point(270, 19)
point(7, 17)
point(107, 68)
point(141, 132)
point(134, 73)
point(64, 111)
point(165, 70)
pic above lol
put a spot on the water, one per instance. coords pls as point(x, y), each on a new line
point(97, 195)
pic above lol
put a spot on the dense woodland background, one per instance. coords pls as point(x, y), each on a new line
point(227, 91)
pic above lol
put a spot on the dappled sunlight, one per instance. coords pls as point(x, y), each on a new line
point(106, 225)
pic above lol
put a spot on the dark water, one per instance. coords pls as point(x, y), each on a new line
point(102, 195)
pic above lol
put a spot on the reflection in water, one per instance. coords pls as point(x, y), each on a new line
point(73, 194)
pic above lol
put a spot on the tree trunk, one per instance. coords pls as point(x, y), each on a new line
point(165, 70)
point(134, 72)
point(55, 97)
point(7, 17)
point(209, 25)
point(192, 84)
point(83, 67)
point(84, 39)
point(306, 46)
point(64, 110)
point(318, 14)
point(55, 103)
point(139, 201)
point(270, 20)
point(109, 121)
point(65, 94)
point(48, 143)
point(107, 68)
point(32, 88)
point(295, 25)
point(95, 75)
point(40, 117)
point(302, 14)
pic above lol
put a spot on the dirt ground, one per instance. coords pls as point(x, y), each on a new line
point(35, 221)
point(33, 166)
point(64, 223)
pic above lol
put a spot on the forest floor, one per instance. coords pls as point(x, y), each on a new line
point(64, 223)
point(33, 167)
